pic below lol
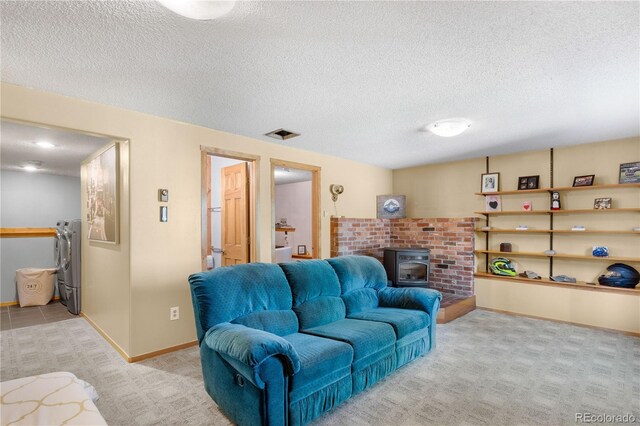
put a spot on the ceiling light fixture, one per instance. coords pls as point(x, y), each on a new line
point(32, 166)
point(450, 127)
point(202, 10)
point(45, 145)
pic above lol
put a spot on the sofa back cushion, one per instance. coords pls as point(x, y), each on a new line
point(316, 292)
point(256, 295)
point(360, 279)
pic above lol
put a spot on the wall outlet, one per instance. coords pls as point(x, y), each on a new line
point(174, 313)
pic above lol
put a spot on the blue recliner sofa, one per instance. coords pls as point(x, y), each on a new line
point(283, 344)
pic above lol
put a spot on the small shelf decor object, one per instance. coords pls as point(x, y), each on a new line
point(555, 200)
point(528, 182)
point(490, 182)
point(302, 249)
point(527, 206)
point(493, 203)
point(630, 172)
point(600, 251)
point(586, 180)
point(602, 203)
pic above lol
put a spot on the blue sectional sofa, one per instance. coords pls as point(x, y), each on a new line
point(282, 344)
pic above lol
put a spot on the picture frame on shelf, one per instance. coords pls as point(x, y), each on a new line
point(490, 182)
point(528, 182)
point(302, 249)
point(629, 172)
point(493, 203)
point(585, 180)
point(602, 203)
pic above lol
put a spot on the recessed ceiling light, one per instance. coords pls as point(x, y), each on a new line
point(202, 10)
point(45, 145)
point(450, 127)
point(32, 166)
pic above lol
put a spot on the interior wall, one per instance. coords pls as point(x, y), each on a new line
point(217, 164)
point(105, 269)
point(32, 200)
point(166, 154)
point(293, 201)
point(448, 190)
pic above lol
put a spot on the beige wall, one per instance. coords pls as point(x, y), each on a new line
point(447, 190)
point(166, 154)
point(106, 283)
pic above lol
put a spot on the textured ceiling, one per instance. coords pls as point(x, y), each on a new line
point(357, 79)
point(18, 146)
point(284, 175)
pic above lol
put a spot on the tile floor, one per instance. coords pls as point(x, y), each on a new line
point(12, 317)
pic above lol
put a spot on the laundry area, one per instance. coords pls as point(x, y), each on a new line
point(40, 222)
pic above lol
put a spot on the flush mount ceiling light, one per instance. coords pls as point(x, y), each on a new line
point(202, 10)
point(450, 127)
point(32, 166)
point(45, 145)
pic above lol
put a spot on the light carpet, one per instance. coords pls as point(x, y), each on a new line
point(489, 368)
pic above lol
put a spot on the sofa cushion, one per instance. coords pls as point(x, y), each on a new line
point(371, 341)
point(322, 362)
point(315, 291)
point(403, 321)
point(228, 293)
point(360, 279)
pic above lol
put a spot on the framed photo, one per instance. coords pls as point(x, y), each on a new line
point(391, 206)
point(493, 203)
point(602, 203)
point(102, 195)
point(630, 172)
point(490, 182)
point(586, 180)
point(528, 182)
point(302, 249)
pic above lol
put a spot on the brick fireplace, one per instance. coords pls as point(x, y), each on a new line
point(451, 241)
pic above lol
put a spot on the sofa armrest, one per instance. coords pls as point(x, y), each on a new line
point(251, 346)
point(423, 299)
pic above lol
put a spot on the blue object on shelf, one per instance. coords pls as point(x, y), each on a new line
point(600, 251)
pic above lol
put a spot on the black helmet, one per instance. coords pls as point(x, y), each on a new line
point(620, 275)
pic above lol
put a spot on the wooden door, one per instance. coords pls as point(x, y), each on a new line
point(235, 215)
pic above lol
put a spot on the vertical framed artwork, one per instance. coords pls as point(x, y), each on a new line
point(102, 183)
point(490, 182)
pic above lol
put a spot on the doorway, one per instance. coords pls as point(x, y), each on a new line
point(295, 211)
point(228, 207)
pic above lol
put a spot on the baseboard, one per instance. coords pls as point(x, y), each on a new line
point(136, 358)
point(106, 337)
point(15, 302)
point(163, 351)
point(594, 327)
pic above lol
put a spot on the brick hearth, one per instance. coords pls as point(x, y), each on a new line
point(451, 241)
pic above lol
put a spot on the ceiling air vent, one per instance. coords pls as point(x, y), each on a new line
point(282, 134)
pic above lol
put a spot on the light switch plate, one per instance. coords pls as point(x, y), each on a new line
point(164, 214)
point(163, 195)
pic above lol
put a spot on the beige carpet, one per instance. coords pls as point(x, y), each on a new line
point(488, 369)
